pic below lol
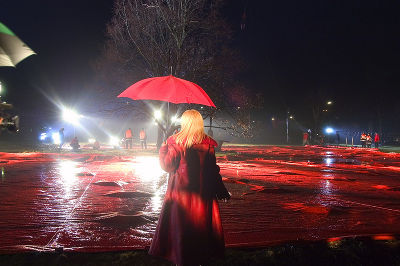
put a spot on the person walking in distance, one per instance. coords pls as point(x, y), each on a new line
point(368, 141)
point(128, 138)
point(377, 139)
point(363, 140)
point(143, 139)
point(305, 139)
point(189, 229)
point(61, 135)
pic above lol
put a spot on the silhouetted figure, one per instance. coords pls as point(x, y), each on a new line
point(61, 135)
point(128, 138)
point(338, 137)
point(96, 145)
point(377, 140)
point(368, 141)
point(363, 140)
point(75, 144)
point(143, 139)
point(305, 139)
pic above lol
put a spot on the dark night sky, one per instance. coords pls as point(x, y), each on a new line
point(350, 49)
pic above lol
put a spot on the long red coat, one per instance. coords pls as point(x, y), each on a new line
point(189, 228)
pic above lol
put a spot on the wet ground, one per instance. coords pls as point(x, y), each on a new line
point(104, 202)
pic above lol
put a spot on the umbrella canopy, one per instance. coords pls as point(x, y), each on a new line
point(12, 49)
point(168, 89)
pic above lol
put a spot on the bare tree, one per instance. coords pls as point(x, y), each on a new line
point(186, 38)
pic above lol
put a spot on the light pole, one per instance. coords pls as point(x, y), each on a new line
point(287, 125)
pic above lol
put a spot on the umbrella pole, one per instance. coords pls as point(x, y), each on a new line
point(167, 122)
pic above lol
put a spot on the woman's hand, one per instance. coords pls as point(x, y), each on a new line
point(227, 198)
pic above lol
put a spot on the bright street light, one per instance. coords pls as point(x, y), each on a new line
point(157, 114)
point(114, 141)
point(174, 119)
point(329, 130)
point(329, 102)
point(273, 118)
point(291, 117)
point(71, 116)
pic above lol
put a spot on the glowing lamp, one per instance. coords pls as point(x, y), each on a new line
point(71, 116)
point(329, 130)
point(174, 118)
point(157, 114)
point(91, 140)
point(114, 141)
point(43, 136)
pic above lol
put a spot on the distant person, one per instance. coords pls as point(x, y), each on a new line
point(61, 135)
point(128, 138)
point(363, 140)
point(96, 145)
point(189, 229)
point(377, 139)
point(75, 144)
point(338, 137)
point(368, 141)
point(305, 139)
point(143, 139)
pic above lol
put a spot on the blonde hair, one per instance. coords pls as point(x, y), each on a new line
point(192, 129)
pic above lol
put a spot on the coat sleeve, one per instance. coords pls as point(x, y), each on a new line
point(221, 191)
point(169, 158)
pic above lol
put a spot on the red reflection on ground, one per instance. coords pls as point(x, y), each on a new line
point(383, 237)
point(102, 202)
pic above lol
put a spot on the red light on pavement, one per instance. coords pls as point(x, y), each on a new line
point(383, 237)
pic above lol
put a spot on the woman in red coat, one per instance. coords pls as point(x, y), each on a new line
point(189, 229)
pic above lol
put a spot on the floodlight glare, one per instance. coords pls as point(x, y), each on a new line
point(56, 138)
point(157, 114)
point(114, 141)
point(329, 130)
point(174, 118)
point(91, 140)
point(71, 116)
point(43, 136)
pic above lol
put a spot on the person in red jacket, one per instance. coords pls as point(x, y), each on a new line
point(143, 138)
point(305, 139)
point(363, 140)
point(128, 138)
point(377, 139)
point(189, 229)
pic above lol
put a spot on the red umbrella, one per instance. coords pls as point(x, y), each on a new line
point(168, 89)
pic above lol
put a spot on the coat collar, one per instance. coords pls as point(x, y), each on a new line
point(207, 140)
